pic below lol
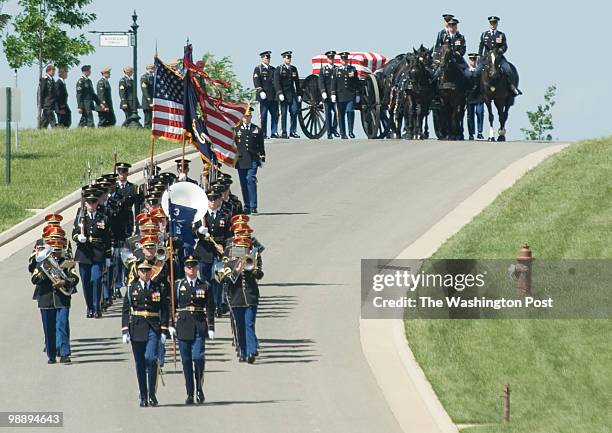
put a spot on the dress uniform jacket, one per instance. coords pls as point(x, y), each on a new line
point(46, 93)
point(61, 103)
point(195, 309)
point(245, 292)
point(326, 79)
point(146, 85)
point(104, 94)
point(220, 230)
point(490, 39)
point(123, 223)
point(144, 309)
point(250, 144)
point(345, 83)
point(287, 82)
point(97, 231)
point(263, 81)
point(457, 41)
point(85, 94)
point(49, 297)
point(126, 93)
point(232, 206)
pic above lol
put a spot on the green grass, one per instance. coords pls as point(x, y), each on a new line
point(560, 372)
point(51, 164)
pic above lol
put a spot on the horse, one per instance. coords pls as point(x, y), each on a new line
point(386, 79)
point(452, 88)
point(495, 87)
point(420, 92)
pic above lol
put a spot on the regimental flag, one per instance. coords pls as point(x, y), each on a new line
point(181, 220)
point(168, 109)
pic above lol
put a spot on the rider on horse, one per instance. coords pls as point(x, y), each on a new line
point(457, 42)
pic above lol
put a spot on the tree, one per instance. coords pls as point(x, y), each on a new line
point(221, 69)
point(541, 119)
point(4, 18)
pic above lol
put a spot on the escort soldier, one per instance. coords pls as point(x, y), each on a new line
point(144, 322)
point(288, 92)
point(263, 81)
point(494, 38)
point(146, 84)
point(182, 168)
point(442, 33)
point(474, 102)
point(456, 41)
point(251, 156)
point(345, 84)
point(325, 85)
point(64, 115)
point(47, 98)
point(231, 203)
point(86, 97)
point(53, 298)
point(91, 231)
point(126, 93)
point(195, 321)
point(106, 112)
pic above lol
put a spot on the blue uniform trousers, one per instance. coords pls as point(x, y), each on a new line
point(270, 107)
point(192, 358)
point(91, 278)
point(48, 316)
point(244, 318)
point(331, 122)
point(293, 109)
point(145, 358)
point(346, 110)
point(248, 185)
point(62, 331)
point(475, 110)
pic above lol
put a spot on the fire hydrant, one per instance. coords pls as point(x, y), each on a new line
point(522, 271)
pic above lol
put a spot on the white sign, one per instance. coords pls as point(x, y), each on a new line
point(15, 104)
point(114, 40)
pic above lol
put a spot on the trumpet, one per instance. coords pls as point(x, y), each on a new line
point(161, 254)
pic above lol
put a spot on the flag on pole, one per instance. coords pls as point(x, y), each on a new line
point(168, 109)
point(181, 219)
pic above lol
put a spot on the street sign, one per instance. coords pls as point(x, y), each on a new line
point(15, 105)
point(110, 40)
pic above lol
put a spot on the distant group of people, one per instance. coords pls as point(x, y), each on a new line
point(54, 109)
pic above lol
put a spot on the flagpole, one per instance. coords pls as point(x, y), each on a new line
point(152, 153)
point(171, 273)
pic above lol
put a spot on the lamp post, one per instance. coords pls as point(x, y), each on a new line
point(135, 118)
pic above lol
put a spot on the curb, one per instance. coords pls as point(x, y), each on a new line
point(409, 394)
point(75, 197)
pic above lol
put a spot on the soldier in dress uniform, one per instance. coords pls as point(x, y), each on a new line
point(146, 84)
point(494, 38)
point(64, 115)
point(182, 168)
point(47, 98)
point(288, 92)
point(106, 112)
point(345, 86)
point(86, 97)
point(231, 203)
point(474, 102)
point(195, 321)
point(251, 156)
point(325, 86)
point(144, 321)
point(442, 33)
point(126, 94)
point(263, 81)
point(91, 231)
point(457, 42)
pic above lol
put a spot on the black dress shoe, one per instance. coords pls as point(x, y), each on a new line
point(90, 315)
point(265, 137)
point(254, 211)
point(251, 359)
point(65, 359)
point(98, 315)
point(242, 359)
point(189, 399)
point(118, 294)
point(480, 137)
point(344, 137)
point(330, 137)
point(351, 135)
point(336, 134)
point(200, 396)
point(274, 136)
point(471, 137)
point(153, 400)
point(144, 402)
point(224, 308)
point(51, 361)
point(284, 136)
point(294, 135)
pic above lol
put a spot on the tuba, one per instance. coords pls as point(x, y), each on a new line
point(47, 263)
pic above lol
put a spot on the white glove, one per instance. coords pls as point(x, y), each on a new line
point(172, 331)
point(108, 263)
point(182, 177)
point(324, 95)
point(357, 99)
point(162, 338)
point(299, 99)
point(203, 230)
point(281, 97)
point(82, 238)
point(211, 334)
point(126, 338)
point(334, 99)
point(262, 96)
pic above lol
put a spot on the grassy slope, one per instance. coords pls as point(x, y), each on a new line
point(51, 164)
point(560, 372)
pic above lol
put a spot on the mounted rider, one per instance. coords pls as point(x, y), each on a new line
point(457, 42)
point(496, 39)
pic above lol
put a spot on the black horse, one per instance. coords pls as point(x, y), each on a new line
point(452, 87)
point(495, 87)
point(420, 92)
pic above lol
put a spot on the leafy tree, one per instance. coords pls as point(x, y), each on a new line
point(4, 18)
point(221, 69)
point(541, 119)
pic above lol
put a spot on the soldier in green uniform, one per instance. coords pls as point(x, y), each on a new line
point(126, 93)
point(86, 97)
point(146, 84)
point(106, 112)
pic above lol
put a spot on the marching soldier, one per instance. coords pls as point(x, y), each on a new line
point(64, 115)
point(251, 156)
point(288, 92)
point(474, 102)
point(47, 98)
point(345, 84)
point(195, 321)
point(91, 231)
point(144, 322)
point(146, 84)
point(231, 203)
point(106, 111)
point(86, 97)
point(182, 168)
point(325, 85)
point(126, 93)
point(263, 81)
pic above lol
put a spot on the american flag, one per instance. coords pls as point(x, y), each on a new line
point(366, 62)
point(168, 110)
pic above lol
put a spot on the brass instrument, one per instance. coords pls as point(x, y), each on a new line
point(56, 273)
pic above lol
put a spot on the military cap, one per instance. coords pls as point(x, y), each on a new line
point(225, 181)
point(244, 218)
point(472, 55)
point(110, 176)
point(287, 54)
point(40, 243)
point(152, 199)
point(344, 54)
point(123, 166)
point(86, 68)
point(493, 18)
point(53, 218)
point(53, 230)
point(145, 218)
point(330, 54)
point(105, 69)
point(91, 196)
point(453, 21)
point(448, 17)
point(240, 241)
point(212, 194)
point(158, 213)
point(182, 162)
point(168, 178)
point(191, 260)
point(144, 265)
point(265, 54)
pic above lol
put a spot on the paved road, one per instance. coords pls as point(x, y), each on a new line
point(325, 205)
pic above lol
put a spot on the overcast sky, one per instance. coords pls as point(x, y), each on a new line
point(549, 42)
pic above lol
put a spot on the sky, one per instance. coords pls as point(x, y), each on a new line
point(549, 42)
